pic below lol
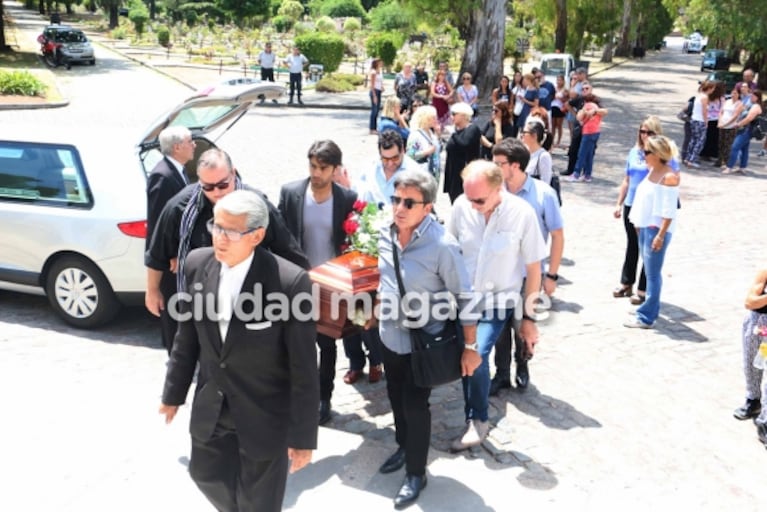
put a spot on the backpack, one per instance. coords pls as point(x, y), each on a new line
point(759, 127)
point(686, 113)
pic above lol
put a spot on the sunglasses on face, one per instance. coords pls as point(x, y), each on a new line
point(647, 152)
point(646, 132)
point(221, 185)
point(407, 202)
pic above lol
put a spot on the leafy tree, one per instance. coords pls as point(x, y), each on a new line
point(338, 8)
point(352, 25)
point(139, 15)
point(383, 45)
point(3, 47)
point(389, 16)
point(239, 10)
point(325, 24)
point(292, 9)
point(325, 49)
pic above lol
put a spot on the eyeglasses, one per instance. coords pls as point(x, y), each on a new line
point(408, 202)
point(221, 185)
point(466, 79)
point(387, 159)
point(647, 152)
point(229, 234)
point(501, 164)
point(646, 132)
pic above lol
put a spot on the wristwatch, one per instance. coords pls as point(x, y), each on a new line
point(551, 276)
point(471, 346)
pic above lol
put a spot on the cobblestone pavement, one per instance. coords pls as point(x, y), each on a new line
point(613, 417)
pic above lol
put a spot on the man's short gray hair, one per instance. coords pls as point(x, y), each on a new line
point(245, 202)
point(419, 179)
point(172, 135)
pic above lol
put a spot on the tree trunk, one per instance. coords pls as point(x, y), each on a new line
point(41, 6)
point(3, 46)
point(483, 55)
point(113, 16)
point(560, 32)
point(607, 54)
point(152, 9)
point(624, 46)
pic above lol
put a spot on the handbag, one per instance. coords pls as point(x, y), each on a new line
point(554, 183)
point(435, 359)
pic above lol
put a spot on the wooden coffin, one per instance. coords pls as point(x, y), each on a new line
point(351, 274)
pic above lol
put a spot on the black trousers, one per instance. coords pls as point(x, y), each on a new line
point(572, 152)
point(328, 356)
point(503, 348)
point(630, 261)
point(355, 353)
point(410, 406)
point(168, 325)
point(295, 85)
point(267, 74)
point(232, 480)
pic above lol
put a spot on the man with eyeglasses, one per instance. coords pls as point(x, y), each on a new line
point(254, 411)
point(377, 185)
point(181, 227)
point(500, 242)
point(512, 157)
point(314, 210)
point(165, 181)
point(431, 261)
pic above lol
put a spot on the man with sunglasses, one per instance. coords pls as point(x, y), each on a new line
point(501, 242)
point(181, 227)
point(254, 411)
point(377, 185)
point(513, 157)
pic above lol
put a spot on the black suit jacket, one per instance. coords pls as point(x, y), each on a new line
point(162, 183)
point(291, 207)
point(266, 371)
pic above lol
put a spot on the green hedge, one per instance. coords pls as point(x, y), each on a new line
point(325, 49)
point(21, 82)
point(384, 46)
point(333, 84)
point(355, 80)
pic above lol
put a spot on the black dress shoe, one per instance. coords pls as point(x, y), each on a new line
point(565, 173)
point(324, 411)
point(410, 490)
point(750, 409)
point(393, 463)
point(498, 383)
point(522, 377)
point(761, 432)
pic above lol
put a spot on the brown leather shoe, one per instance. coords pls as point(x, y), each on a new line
point(375, 374)
point(352, 376)
point(623, 290)
point(637, 299)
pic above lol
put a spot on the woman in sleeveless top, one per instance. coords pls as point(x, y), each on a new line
point(441, 92)
point(727, 118)
point(654, 214)
point(503, 91)
point(375, 79)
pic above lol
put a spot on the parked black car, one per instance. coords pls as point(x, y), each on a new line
point(714, 60)
point(730, 78)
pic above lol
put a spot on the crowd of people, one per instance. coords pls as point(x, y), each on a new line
point(502, 239)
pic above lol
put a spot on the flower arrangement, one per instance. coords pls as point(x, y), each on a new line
point(363, 227)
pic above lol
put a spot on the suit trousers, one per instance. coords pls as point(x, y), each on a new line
point(410, 407)
point(509, 335)
point(328, 356)
point(232, 480)
point(168, 325)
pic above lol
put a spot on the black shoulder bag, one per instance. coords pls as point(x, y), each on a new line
point(435, 359)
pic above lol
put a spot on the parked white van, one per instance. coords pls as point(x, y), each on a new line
point(554, 64)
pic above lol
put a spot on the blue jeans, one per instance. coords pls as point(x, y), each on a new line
point(374, 108)
point(586, 155)
point(653, 266)
point(476, 388)
point(740, 148)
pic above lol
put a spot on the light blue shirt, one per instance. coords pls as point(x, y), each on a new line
point(544, 201)
point(430, 265)
point(636, 170)
point(373, 187)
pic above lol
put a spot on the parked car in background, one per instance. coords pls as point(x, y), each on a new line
point(76, 233)
point(555, 64)
point(730, 78)
point(694, 43)
point(715, 59)
point(69, 45)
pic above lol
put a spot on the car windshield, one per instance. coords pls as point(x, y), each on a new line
point(553, 67)
point(70, 36)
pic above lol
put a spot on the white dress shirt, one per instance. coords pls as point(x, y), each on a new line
point(230, 284)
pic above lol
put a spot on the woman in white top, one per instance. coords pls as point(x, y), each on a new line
point(698, 123)
point(468, 92)
point(375, 79)
point(728, 117)
point(423, 144)
point(539, 165)
point(653, 213)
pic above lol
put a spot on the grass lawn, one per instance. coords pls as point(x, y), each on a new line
point(25, 60)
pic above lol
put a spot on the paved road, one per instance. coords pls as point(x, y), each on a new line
point(612, 418)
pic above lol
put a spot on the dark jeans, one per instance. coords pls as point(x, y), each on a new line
point(328, 355)
point(374, 108)
point(267, 74)
point(572, 151)
point(630, 261)
point(295, 85)
point(353, 349)
point(410, 407)
point(509, 334)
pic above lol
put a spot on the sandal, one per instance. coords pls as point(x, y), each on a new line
point(637, 299)
point(623, 290)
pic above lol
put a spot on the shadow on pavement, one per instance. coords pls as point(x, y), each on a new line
point(552, 412)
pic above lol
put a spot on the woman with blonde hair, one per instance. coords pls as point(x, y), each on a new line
point(392, 118)
point(423, 144)
point(636, 170)
point(654, 214)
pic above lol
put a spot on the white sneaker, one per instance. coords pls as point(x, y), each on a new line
point(476, 432)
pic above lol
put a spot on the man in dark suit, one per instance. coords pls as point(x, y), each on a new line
point(314, 210)
point(182, 227)
point(254, 409)
point(165, 181)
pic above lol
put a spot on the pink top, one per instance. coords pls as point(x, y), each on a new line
point(592, 125)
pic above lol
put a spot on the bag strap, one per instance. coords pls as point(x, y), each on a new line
point(396, 268)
